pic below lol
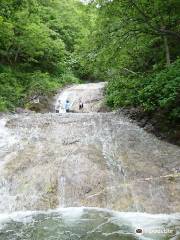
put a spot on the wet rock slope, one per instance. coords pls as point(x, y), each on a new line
point(86, 158)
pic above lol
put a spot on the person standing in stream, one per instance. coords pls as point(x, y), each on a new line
point(58, 106)
point(81, 105)
point(67, 106)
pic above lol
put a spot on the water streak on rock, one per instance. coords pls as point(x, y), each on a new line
point(86, 158)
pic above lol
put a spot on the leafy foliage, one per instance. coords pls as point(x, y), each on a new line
point(37, 40)
point(135, 46)
point(156, 92)
point(45, 44)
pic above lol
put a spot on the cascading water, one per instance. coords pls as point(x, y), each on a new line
point(53, 164)
point(62, 191)
point(87, 224)
point(92, 99)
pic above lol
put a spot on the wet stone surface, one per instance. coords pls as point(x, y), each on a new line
point(90, 159)
point(85, 159)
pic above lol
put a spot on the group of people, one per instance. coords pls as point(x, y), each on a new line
point(67, 106)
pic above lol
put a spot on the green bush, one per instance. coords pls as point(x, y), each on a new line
point(68, 78)
point(16, 88)
point(159, 91)
point(11, 90)
point(41, 83)
point(3, 105)
point(121, 91)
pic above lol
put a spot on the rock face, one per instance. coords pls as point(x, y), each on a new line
point(85, 159)
point(90, 94)
point(155, 123)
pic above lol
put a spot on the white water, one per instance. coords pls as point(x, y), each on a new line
point(6, 140)
point(85, 159)
point(62, 185)
point(155, 227)
point(77, 92)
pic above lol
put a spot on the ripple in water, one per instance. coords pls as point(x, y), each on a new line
point(88, 224)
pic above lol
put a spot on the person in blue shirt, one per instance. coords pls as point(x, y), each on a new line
point(67, 106)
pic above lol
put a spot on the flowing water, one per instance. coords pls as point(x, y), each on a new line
point(61, 172)
point(92, 98)
point(88, 224)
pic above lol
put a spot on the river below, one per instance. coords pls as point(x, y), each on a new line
point(88, 224)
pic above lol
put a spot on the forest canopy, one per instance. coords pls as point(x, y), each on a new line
point(37, 41)
point(132, 44)
point(135, 47)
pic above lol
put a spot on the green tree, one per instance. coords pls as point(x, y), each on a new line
point(134, 35)
point(37, 41)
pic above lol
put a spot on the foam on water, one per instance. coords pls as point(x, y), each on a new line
point(23, 217)
point(72, 214)
point(67, 135)
point(135, 219)
point(89, 222)
point(6, 140)
point(144, 220)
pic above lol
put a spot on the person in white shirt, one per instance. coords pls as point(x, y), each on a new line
point(58, 106)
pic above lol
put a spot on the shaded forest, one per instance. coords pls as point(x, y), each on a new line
point(37, 43)
point(132, 44)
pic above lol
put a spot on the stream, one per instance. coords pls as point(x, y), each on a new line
point(87, 174)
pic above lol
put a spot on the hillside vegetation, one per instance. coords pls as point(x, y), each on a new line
point(37, 40)
point(134, 45)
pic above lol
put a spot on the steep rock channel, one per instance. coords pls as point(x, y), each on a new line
point(85, 159)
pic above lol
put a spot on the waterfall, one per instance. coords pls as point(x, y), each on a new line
point(62, 184)
point(85, 173)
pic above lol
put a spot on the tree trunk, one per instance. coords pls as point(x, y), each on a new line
point(168, 60)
